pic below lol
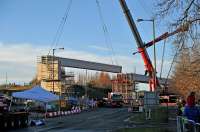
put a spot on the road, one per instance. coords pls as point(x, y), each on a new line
point(101, 119)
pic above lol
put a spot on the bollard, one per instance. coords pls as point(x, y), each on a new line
point(55, 114)
point(178, 128)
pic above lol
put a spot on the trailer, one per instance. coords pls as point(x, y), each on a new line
point(11, 120)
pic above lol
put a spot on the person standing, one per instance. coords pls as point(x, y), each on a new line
point(181, 107)
point(191, 112)
point(191, 99)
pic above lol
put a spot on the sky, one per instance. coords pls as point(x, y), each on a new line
point(28, 27)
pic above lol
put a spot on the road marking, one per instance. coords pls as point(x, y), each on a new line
point(126, 120)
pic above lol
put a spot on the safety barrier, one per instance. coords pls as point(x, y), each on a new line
point(185, 125)
point(74, 110)
point(136, 109)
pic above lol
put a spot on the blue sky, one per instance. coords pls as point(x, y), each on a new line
point(27, 29)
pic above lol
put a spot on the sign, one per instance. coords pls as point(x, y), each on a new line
point(151, 99)
point(62, 103)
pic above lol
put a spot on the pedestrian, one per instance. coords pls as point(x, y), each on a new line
point(181, 107)
point(191, 99)
point(191, 112)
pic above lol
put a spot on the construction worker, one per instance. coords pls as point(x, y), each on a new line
point(181, 107)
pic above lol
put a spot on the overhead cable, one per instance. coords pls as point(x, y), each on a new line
point(162, 62)
point(106, 33)
point(178, 50)
point(60, 27)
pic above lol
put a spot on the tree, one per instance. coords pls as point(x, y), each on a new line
point(104, 80)
point(101, 80)
point(183, 13)
point(34, 81)
point(195, 69)
point(185, 77)
point(81, 79)
point(180, 75)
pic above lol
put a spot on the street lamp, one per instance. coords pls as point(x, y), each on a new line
point(54, 63)
point(154, 46)
point(53, 76)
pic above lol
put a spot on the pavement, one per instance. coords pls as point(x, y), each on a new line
point(98, 120)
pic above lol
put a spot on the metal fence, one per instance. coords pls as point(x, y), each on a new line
point(185, 125)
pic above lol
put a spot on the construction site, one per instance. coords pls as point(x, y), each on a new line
point(104, 69)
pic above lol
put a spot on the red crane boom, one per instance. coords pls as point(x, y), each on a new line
point(153, 81)
point(167, 34)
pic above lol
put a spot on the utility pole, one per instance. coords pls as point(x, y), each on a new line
point(86, 83)
point(154, 49)
point(6, 80)
point(53, 59)
point(126, 82)
point(53, 67)
point(154, 53)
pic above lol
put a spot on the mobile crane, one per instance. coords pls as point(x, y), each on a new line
point(153, 81)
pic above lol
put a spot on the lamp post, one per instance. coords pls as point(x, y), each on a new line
point(154, 46)
point(54, 63)
point(58, 75)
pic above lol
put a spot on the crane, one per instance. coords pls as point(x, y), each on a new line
point(153, 81)
point(182, 28)
point(165, 35)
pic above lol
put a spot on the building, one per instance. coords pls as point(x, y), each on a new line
point(52, 76)
point(125, 85)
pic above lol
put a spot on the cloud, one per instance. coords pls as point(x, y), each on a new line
point(99, 48)
point(19, 53)
point(19, 61)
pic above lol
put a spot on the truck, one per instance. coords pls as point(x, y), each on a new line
point(115, 99)
point(9, 119)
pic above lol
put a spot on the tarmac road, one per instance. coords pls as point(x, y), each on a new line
point(101, 119)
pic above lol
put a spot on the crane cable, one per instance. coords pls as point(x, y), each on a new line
point(145, 8)
point(106, 33)
point(179, 48)
point(162, 62)
point(60, 27)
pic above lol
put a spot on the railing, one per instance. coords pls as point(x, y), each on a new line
point(185, 125)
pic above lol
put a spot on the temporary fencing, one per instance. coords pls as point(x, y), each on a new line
point(74, 110)
point(186, 125)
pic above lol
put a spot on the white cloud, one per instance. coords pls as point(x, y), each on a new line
point(99, 48)
point(20, 60)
